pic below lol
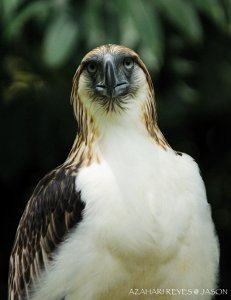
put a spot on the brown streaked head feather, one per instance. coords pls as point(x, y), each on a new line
point(148, 109)
point(102, 51)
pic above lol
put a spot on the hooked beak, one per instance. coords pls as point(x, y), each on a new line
point(113, 84)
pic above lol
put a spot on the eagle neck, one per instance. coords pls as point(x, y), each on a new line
point(84, 151)
point(149, 118)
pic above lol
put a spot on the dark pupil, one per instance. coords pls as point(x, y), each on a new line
point(92, 67)
point(128, 62)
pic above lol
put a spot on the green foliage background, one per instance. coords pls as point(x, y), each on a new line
point(185, 44)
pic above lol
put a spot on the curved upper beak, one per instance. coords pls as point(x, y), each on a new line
point(113, 83)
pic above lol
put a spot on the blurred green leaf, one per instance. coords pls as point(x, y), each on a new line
point(128, 36)
point(186, 93)
point(8, 8)
point(92, 24)
point(38, 10)
point(227, 8)
point(182, 66)
point(149, 30)
point(213, 9)
point(59, 40)
point(184, 16)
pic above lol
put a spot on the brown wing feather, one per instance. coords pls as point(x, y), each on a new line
point(54, 208)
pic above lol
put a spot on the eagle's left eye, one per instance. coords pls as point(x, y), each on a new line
point(92, 67)
point(128, 63)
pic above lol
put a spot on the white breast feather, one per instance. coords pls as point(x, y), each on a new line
point(146, 224)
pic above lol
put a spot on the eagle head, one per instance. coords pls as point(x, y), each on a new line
point(110, 78)
point(112, 83)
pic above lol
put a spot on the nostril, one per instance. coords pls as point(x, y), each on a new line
point(121, 83)
point(100, 87)
point(111, 91)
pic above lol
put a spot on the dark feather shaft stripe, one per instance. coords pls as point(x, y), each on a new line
point(54, 208)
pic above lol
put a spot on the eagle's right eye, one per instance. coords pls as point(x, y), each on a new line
point(92, 67)
point(128, 63)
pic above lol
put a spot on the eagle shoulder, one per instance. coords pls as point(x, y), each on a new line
point(53, 209)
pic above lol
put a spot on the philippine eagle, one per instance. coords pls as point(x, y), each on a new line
point(125, 212)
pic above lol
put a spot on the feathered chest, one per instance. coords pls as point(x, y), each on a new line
point(143, 209)
point(134, 200)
